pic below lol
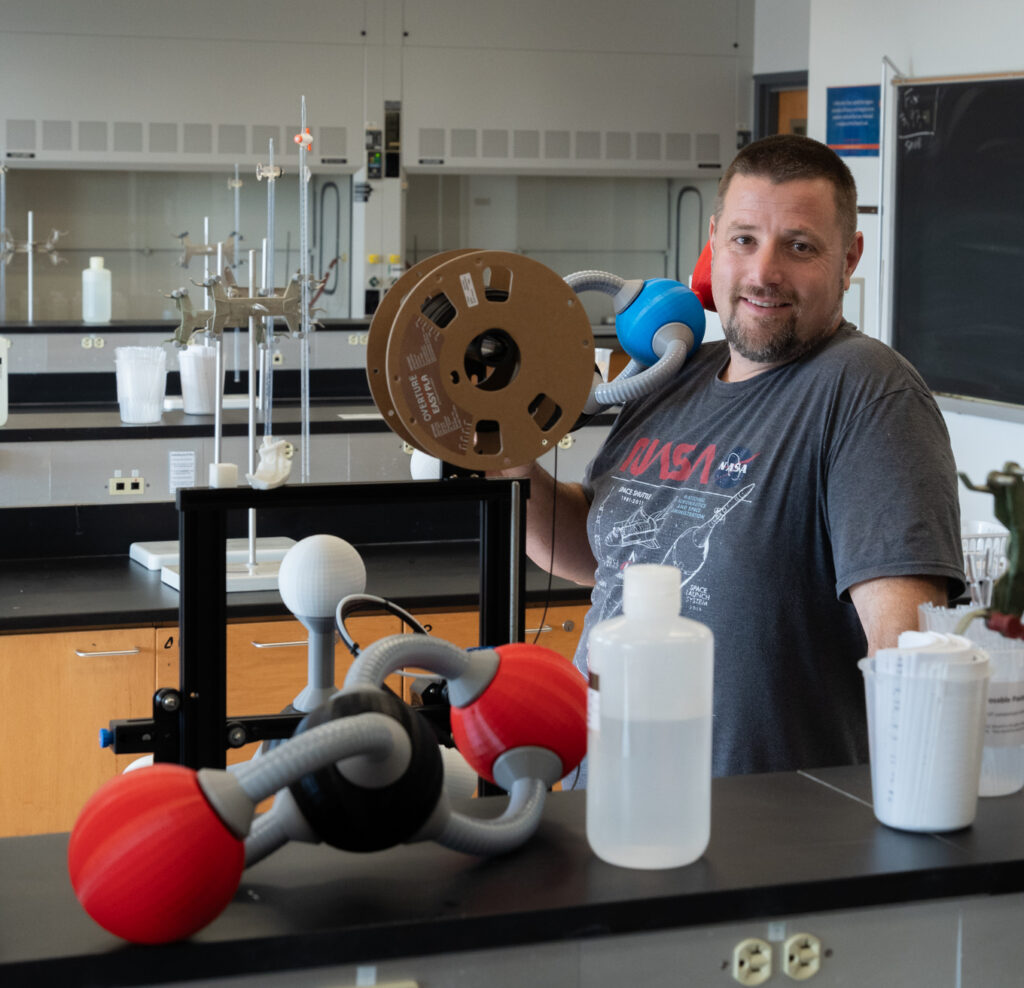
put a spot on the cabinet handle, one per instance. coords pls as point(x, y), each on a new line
point(92, 655)
point(277, 644)
point(567, 625)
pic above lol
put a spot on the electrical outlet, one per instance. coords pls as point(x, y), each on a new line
point(126, 485)
point(801, 956)
point(752, 961)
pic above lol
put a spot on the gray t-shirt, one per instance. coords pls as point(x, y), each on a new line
point(774, 496)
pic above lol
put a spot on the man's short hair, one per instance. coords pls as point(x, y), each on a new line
point(788, 157)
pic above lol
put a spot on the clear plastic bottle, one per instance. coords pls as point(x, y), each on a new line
point(649, 728)
point(96, 292)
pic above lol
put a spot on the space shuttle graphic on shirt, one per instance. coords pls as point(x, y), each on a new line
point(689, 551)
point(640, 528)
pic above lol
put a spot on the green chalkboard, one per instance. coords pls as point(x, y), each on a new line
point(958, 248)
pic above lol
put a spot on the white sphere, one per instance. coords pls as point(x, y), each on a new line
point(317, 572)
point(423, 466)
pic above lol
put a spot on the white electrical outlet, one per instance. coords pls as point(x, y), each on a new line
point(126, 485)
point(801, 956)
point(752, 961)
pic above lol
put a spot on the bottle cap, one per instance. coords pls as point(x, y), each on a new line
point(96, 263)
point(651, 589)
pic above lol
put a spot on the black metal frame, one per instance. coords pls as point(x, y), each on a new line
point(190, 725)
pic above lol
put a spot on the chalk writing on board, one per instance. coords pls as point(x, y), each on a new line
point(915, 118)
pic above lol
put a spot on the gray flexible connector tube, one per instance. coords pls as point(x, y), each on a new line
point(501, 834)
point(636, 385)
point(267, 834)
point(361, 734)
point(595, 281)
point(594, 404)
point(387, 655)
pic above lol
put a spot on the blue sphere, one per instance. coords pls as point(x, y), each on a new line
point(660, 302)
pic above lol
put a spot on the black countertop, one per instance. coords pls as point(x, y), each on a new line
point(789, 843)
point(28, 424)
point(114, 591)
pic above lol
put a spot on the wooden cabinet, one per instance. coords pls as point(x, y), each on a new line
point(267, 664)
point(62, 688)
point(59, 690)
point(560, 630)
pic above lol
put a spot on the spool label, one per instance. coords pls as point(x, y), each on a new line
point(1004, 720)
point(433, 407)
point(469, 290)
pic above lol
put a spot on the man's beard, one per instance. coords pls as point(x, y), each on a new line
point(784, 345)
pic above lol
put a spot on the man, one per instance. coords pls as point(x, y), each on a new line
point(799, 474)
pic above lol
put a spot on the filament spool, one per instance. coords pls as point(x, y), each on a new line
point(488, 358)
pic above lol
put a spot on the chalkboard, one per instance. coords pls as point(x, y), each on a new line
point(958, 249)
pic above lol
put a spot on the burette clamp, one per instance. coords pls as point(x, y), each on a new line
point(268, 172)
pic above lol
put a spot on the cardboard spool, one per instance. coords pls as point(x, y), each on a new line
point(481, 358)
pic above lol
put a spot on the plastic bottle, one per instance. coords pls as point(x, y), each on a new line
point(649, 728)
point(96, 292)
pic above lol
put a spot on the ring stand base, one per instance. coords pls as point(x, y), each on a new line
point(240, 576)
point(157, 555)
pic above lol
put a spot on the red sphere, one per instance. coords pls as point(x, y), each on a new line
point(536, 698)
point(700, 280)
point(149, 858)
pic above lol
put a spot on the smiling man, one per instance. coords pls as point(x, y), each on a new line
point(799, 475)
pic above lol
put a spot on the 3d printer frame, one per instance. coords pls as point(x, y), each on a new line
point(190, 724)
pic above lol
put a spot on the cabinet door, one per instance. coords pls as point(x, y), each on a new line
point(60, 690)
point(267, 664)
point(559, 629)
point(461, 628)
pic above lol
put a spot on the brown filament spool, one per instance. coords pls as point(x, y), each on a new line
point(483, 359)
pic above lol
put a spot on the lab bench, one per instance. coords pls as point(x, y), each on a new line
point(791, 854)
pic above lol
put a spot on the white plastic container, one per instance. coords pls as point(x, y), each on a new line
point(1002, 758)
point(926, 702)
point(96, 292)
point(649, 728)
point(197, 366)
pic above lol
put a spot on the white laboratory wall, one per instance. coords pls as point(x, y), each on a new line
point(632, 227)
point(781, 36)
point(659, 87)
point(847, 44)
point(582, 85)
point(140, 83)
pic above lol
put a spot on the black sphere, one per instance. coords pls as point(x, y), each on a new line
point(354, 818)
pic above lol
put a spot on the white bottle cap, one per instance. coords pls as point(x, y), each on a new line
point(651, 589)
point(96, 263)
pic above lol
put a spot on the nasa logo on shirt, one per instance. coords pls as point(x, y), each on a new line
point(733, 468)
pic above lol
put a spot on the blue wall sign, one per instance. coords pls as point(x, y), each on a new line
point(853, 115)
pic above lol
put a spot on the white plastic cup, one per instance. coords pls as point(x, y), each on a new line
point(141, 373)
point(926, 736)
point(198, 368)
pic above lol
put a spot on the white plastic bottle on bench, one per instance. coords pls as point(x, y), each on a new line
point(96, 292)
point(649, 728)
